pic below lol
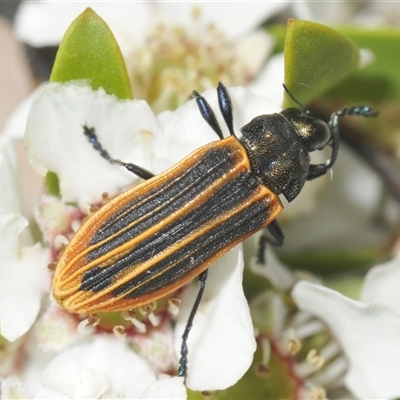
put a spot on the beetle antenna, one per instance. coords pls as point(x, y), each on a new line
point(208, 114)
point(291, 95)
point(364, 111)
point(225, 105)
point(135, 169)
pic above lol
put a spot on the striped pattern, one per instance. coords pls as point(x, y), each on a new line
point(154, 238)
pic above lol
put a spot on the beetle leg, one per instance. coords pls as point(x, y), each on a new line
point(317, 170)
point(182, 369)
point(135, 169)
point(364, 111)
point(276, 231)
point(276, 238)
point(321, 169)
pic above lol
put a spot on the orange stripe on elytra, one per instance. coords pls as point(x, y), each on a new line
point(69, 282)
point(66, 287)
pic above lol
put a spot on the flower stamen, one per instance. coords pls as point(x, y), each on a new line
point(173, 306)
point(294, 346)
point(93, 209)
point(105, 196)
point(119, 331)
point(317, 393)
point(315, 359)
point(52, 266)
point(262, 369)
point(148, 310)
point(85, 328)
point(76, 224)
point(130, 316)
point(94, 320)
point(154, 319)
point(60, 241)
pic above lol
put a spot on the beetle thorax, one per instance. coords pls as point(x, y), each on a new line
point(277, 154)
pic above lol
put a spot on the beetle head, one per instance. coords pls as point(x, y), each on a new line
point(314, 132)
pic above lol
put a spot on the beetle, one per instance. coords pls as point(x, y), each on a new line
point(154, 238)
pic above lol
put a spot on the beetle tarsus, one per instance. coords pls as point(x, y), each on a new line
point(316, 171)
point(321, 169)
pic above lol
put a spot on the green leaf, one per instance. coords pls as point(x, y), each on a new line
point(90, 51)
point(330, 261)
point(52, 184)
point(380, 80)
point(349, 285)
point(316, 58)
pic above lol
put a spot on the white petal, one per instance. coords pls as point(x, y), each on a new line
point(55, 140)
point(16, 78)
point(221, 342)
point(276, 272)
point(24, 278)
point(325, 12)
point(254, 49)
point(168, 388)
point(16, 123)
point(347, 203)
point(228, 17)
point(10, 193)
point(35, 362)
point(43, 23)
point(185, 130)
point(12, 388)
point(381, 285)
point(268, 82)
point(56, 329)
point(16, 172)
point(368, 334)
point(105, 366)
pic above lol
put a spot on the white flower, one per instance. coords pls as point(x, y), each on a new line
point(367, 330)
point(44, 23)
point(62, 149)
point(24, 277)
point(103, 366)
point(168, 48)
point(222, 338)
point(372, 13)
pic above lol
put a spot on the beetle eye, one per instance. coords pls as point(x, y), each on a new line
point(314, 132)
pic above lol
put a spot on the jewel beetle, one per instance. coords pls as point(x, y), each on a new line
point(152, 239)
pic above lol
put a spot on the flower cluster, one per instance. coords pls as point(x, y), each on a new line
point(261, 330)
